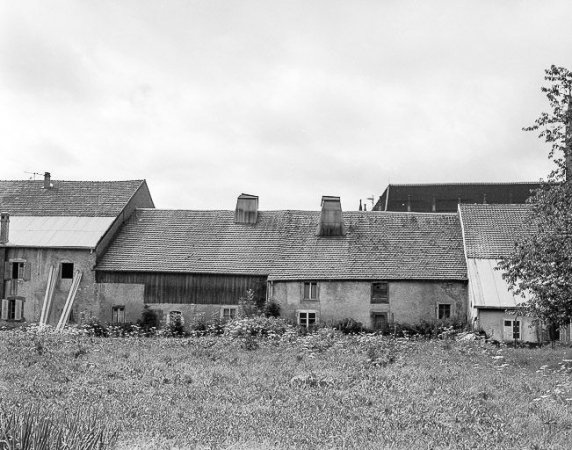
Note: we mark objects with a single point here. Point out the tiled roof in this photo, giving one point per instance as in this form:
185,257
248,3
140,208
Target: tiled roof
490,231
285,245
67,198
447,195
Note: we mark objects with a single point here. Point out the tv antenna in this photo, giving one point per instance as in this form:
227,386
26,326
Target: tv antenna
34,174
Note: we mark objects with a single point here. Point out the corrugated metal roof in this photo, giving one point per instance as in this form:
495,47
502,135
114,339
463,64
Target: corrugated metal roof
488,289
26,231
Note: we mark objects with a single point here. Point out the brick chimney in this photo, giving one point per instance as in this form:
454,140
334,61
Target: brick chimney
4,228
246,211
331,218
47,178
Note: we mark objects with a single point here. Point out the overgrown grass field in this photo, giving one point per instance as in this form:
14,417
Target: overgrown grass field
318,391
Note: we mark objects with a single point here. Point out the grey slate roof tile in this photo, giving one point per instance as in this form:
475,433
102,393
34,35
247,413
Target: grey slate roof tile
67,198
284,245
490,231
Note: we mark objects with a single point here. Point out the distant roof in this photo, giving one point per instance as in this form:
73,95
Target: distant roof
67,198
490,231
488,288
285,245
446,197
69,232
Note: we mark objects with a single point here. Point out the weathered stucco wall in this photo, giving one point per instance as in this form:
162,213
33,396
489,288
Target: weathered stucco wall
492,323
131,297
409,301
33,291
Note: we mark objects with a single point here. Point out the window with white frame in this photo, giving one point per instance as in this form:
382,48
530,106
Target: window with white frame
512,329
228,313
443,311
118,314
307,319
310,291
12,309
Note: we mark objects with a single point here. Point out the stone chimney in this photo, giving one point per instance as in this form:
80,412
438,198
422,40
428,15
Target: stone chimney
331,218
4,228
47,178
246,211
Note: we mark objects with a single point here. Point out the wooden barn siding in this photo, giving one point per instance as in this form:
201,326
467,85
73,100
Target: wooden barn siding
189,288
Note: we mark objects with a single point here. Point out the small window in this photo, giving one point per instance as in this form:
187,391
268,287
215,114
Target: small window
512,329
444,311
118,314
67,270
310,290
227,314
380,292
307,319
12,309
175,317
17,270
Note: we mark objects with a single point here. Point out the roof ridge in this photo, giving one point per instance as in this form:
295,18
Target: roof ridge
478,183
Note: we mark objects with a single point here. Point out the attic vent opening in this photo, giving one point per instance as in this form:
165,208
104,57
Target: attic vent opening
331,218
246,211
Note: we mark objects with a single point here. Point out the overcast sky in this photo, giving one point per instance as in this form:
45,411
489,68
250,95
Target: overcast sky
287,100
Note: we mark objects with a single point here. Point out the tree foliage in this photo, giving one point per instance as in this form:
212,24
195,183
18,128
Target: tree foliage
541,264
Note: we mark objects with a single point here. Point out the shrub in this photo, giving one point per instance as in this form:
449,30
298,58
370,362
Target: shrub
175,327
349,326
256,326
149,321
272,309
93,327
248,306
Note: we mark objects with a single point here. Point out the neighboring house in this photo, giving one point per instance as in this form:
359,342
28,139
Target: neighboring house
446,197
489,234
321,266
59,228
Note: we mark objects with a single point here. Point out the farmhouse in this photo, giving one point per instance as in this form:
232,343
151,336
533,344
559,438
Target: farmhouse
441,197
52,233
489,234
320,266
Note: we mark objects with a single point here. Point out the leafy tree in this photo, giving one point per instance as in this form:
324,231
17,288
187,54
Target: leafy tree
541,264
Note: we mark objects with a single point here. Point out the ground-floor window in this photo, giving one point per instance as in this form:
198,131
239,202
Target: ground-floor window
12,309
118,314
512,329
307,319
175,317
228,313
443,311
